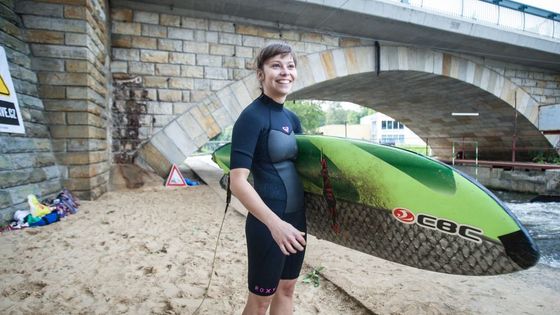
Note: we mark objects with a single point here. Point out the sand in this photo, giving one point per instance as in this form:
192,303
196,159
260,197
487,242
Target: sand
149,251
146,251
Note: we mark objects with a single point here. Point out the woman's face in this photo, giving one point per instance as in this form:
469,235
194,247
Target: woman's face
277,76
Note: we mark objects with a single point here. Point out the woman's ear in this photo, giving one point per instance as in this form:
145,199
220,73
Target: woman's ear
260,75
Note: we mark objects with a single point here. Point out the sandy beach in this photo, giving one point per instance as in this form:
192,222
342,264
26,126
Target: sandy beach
146,251
149,251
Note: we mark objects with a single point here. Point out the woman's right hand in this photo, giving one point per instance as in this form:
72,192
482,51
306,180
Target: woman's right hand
289,239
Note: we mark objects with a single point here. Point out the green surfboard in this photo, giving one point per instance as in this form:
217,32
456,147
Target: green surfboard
405,207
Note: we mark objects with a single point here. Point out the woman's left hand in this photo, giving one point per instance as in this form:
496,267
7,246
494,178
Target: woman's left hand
288,238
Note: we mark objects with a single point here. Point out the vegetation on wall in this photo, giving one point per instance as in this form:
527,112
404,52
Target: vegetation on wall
551,157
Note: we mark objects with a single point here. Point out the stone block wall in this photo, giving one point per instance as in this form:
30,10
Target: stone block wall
27,161
546,183
542,85
163,64
68,43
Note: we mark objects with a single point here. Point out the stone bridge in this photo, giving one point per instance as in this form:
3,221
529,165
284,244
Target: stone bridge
149,81
416,86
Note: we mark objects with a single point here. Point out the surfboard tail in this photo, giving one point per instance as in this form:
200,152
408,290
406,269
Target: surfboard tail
521,249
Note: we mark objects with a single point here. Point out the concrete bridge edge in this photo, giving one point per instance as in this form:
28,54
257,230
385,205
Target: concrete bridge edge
191,130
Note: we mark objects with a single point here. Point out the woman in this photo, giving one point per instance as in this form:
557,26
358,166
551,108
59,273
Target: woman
264,144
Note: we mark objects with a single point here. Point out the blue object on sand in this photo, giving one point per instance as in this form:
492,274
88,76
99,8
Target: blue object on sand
191,182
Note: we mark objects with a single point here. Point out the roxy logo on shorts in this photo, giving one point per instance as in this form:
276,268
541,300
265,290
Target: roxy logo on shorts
264,290
433,223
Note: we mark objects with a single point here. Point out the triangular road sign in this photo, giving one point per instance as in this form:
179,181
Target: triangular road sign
3,87
175,178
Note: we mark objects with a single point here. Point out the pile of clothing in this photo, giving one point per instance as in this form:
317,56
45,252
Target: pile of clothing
45,212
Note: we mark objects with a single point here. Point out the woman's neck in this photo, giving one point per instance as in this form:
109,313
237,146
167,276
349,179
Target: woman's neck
280,99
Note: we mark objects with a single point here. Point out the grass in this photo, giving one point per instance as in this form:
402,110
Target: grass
313,277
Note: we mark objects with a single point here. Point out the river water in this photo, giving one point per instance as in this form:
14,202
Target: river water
542,219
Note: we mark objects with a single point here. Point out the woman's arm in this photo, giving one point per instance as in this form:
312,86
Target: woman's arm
288,238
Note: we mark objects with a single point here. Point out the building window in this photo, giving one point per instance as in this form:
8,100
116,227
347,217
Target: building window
391,124
392,139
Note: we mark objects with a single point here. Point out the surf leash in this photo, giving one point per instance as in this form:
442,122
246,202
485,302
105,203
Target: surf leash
228,201
328,194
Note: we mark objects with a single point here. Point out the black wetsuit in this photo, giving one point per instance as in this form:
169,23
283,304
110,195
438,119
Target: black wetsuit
263,141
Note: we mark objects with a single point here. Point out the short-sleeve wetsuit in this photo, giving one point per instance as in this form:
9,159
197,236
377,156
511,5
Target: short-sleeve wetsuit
263,141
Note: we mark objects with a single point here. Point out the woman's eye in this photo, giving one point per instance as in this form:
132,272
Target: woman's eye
291,66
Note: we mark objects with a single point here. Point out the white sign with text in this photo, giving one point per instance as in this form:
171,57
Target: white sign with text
10,115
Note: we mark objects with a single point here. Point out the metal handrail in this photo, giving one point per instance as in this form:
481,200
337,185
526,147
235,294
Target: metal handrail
489,12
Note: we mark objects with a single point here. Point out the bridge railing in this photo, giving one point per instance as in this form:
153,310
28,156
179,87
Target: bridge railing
490,13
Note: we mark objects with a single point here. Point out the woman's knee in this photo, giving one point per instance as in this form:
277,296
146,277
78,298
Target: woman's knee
286,287
257,304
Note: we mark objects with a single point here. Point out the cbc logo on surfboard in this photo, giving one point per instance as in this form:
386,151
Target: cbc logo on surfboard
404,215
466,232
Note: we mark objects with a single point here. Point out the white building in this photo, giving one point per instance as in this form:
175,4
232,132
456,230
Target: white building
361,132
386,130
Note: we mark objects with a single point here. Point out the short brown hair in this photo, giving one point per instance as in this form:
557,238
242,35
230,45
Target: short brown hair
272,50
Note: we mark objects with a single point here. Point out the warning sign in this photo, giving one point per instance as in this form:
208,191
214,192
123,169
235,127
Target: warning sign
10,115
3,87
175,178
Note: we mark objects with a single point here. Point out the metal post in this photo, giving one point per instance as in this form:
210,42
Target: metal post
427,142
524,15
377,58
514,140
476,160
453,154
463,155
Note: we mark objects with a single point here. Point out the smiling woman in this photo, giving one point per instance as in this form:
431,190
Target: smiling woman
264,144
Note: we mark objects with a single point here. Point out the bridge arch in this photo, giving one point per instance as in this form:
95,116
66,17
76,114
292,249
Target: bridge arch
420,87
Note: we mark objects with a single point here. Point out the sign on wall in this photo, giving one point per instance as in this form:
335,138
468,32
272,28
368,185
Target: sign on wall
10,116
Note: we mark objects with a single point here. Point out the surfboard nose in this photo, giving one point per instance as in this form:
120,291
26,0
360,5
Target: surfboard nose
521,249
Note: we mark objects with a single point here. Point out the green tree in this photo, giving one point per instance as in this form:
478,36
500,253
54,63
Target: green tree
337,115
310,114
353,117
356,116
